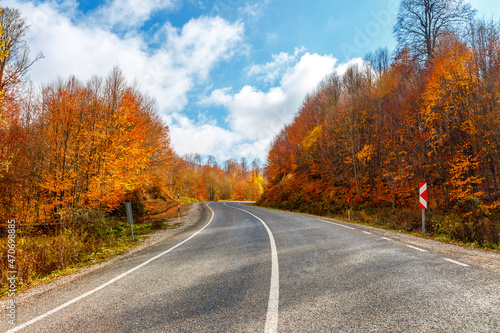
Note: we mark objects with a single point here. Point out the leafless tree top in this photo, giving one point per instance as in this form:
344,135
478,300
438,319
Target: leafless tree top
420,23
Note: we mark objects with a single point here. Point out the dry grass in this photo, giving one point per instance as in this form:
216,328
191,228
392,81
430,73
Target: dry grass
90,237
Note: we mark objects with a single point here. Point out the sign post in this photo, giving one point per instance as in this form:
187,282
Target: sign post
179,207
423,204
348,209
128,208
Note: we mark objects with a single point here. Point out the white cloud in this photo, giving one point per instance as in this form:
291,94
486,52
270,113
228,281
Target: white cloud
256,149
83,49
254,9
218,97
271,71
130,13
258,115
342,68
205,138
188,55
76,45
202,42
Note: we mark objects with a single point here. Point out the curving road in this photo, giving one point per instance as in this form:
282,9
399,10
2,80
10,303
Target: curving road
249,269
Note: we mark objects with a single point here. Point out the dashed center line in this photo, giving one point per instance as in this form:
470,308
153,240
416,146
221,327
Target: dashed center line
386,238
366,232
456,262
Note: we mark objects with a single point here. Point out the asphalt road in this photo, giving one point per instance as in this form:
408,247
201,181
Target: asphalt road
249,269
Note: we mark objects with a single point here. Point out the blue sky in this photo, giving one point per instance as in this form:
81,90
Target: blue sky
227,74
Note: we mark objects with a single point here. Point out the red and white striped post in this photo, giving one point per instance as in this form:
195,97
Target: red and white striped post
423,203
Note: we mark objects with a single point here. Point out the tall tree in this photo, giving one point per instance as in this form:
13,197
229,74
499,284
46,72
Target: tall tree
420,23
14,66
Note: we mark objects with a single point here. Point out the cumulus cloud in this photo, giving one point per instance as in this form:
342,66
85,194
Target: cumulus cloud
256,115
188,54
130,13
259,115
205,138
273,70
202,42
83,49
170,63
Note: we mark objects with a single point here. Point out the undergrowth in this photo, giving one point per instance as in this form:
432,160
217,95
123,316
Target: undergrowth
468,222
89,236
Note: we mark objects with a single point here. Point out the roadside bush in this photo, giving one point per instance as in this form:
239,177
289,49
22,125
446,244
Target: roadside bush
364,217
470,220
39,256
82,233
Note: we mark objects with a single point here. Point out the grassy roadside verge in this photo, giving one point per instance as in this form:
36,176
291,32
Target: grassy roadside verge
93,238
446,228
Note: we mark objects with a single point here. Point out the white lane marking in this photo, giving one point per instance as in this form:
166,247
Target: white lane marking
341,225
102,286
337,224
274,291
369,233
416,248
456,262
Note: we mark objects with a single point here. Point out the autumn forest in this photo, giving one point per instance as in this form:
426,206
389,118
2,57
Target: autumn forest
73,152
93,145
373,133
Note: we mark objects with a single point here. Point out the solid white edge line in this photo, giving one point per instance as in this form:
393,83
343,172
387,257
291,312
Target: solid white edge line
416,248
456,262
274,290
102,286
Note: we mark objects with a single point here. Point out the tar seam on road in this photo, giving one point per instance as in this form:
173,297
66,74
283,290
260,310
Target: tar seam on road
74,300
274,290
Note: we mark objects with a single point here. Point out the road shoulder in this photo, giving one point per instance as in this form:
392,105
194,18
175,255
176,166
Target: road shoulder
485,259
194,217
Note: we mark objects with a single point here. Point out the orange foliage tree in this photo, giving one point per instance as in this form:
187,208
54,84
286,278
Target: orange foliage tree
87,146
374,135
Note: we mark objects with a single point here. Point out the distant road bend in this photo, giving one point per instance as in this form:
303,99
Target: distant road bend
250,269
